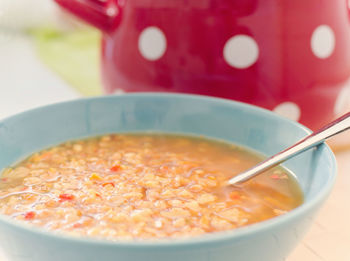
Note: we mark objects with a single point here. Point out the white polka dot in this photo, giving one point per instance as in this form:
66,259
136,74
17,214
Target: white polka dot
152,43
289,110
112,11
342,104
241,51
323,41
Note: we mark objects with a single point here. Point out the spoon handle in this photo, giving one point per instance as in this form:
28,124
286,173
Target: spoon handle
339,125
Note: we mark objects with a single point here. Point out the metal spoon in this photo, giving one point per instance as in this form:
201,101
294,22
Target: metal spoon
339,125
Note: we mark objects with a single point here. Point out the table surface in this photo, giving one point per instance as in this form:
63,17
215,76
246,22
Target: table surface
26,83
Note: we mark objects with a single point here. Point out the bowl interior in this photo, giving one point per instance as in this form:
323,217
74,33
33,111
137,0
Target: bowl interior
235,122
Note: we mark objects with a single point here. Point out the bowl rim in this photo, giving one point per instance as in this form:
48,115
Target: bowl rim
199,241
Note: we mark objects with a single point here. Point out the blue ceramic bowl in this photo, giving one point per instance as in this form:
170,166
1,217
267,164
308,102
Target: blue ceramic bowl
250,126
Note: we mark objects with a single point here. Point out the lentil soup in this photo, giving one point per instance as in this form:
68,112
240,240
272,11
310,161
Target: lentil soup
140,186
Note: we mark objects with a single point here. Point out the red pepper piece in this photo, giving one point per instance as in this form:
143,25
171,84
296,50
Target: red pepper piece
108,183
77,225
275,176
66,197
29,215
115,168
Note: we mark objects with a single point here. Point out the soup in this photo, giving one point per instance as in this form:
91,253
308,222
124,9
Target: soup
141,186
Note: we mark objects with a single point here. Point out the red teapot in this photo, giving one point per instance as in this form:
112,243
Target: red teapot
292,57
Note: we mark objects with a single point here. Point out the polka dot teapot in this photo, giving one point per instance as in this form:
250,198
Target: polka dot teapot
290,56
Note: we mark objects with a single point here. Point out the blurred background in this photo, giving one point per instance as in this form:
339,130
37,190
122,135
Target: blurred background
46,56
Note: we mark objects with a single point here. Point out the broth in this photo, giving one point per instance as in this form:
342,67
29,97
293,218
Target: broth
140,186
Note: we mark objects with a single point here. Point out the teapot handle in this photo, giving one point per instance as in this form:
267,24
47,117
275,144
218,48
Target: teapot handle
102,15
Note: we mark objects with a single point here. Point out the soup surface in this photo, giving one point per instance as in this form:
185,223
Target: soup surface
143,186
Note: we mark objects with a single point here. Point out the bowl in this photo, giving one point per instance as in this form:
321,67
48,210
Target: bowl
252,127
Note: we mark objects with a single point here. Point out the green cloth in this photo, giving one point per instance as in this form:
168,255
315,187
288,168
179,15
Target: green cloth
73,55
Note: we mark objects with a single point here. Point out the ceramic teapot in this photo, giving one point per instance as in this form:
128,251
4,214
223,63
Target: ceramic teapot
292,57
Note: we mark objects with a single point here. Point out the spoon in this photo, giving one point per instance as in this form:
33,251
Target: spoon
335,127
